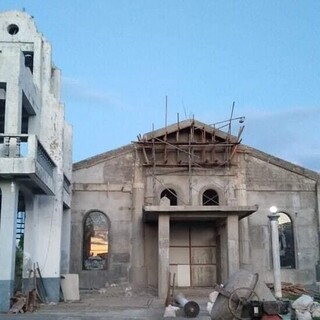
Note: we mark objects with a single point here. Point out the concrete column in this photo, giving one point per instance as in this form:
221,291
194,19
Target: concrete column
48,228
8,223
163,255
245,254
138,273
244,239
65,241
275,254
13,108
233,243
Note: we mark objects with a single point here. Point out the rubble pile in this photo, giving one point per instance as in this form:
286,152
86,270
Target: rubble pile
290,289
24,303
296,290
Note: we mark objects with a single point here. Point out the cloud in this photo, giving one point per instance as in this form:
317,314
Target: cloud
291,134
76,89
255,114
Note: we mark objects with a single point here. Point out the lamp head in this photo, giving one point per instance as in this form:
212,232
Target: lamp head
273,209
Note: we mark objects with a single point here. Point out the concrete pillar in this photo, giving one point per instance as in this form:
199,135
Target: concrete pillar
9,207
275,254
244,243
233,243
65,241
13,108
163,255
138,272
244,238
48,217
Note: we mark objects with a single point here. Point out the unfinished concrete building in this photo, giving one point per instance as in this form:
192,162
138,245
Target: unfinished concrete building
194,201
35,159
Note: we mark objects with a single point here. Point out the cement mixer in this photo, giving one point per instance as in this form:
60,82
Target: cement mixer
246,297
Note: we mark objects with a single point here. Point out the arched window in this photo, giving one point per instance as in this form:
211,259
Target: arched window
171,195
210,198
286,242
95,241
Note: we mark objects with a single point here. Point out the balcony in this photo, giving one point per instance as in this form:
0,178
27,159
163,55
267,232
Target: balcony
23,158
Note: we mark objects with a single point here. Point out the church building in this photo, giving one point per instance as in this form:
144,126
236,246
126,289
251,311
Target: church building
191,200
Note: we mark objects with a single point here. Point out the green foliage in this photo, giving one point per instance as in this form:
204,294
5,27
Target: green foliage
19,265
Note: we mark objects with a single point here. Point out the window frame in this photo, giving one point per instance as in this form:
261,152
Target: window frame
107,230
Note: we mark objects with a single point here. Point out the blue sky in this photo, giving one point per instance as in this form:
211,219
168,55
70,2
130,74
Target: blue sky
121,58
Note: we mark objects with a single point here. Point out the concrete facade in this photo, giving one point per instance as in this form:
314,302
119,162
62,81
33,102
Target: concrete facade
154,194
35,158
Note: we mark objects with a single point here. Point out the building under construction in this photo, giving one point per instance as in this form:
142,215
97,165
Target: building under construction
35,161
192,200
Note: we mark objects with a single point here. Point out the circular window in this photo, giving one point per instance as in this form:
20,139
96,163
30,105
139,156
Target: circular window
13,29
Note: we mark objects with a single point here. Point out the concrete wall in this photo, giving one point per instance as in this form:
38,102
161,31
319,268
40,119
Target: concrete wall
294,195
250,181
104,187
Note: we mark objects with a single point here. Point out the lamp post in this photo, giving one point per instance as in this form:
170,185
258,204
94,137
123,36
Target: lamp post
273,217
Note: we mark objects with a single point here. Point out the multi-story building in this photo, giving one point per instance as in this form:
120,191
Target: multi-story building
35,158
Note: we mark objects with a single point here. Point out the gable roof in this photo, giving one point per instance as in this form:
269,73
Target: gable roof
102,157
211,130
185,124
313,175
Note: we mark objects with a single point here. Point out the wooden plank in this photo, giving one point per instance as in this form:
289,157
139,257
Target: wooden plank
18,306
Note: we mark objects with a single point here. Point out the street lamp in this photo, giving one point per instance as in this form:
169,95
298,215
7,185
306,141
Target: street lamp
273,217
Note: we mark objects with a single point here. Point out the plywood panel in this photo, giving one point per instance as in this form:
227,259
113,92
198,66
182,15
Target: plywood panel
203,255
179,235
202,235
183,276
203,276
179,255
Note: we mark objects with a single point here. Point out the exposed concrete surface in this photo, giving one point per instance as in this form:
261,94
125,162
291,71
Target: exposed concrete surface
96,306
112,303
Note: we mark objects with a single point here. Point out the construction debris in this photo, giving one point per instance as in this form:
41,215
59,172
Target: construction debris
170,311
296,290
191,308
37,293
289,288
23,303
305,308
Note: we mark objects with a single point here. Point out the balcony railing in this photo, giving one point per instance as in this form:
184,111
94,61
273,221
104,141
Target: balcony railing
24,155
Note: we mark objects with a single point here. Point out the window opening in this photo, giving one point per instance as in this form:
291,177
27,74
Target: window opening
21,215
24,121
210,198
171,195
95,241
13,29
28,60
286,242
